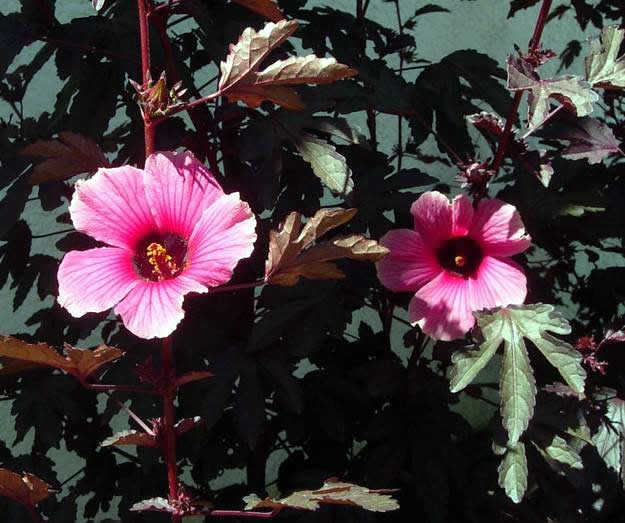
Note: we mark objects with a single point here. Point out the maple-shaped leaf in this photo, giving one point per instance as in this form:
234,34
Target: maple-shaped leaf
294,251
609,440
332,492
70,154
79,363
510,325
513,470
590,139
267,8
571,91
604,68
131,437
242,80
27,489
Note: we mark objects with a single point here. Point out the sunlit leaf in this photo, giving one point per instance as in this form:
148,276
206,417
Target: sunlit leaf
89,361
559,452
604,68
294,251
268,8
329,166
27,489
154,505
332,492
79,363
467,364
70,154
98,4
513,472
573,92
511,325
242,80
131,437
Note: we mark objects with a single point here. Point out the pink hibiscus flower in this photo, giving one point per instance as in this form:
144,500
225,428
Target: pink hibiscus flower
171,230
456,261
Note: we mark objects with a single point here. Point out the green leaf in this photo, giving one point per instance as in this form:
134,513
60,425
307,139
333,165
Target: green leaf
559,451
467,365
328,165
513,472
517,384
534,321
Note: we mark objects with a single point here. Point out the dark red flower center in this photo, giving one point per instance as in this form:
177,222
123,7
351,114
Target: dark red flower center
460,255
161,257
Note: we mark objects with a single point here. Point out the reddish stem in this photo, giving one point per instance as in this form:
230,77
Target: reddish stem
533,46
169,439
245,514
144,35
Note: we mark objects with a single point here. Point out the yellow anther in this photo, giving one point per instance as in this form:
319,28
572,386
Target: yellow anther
460,261
163,265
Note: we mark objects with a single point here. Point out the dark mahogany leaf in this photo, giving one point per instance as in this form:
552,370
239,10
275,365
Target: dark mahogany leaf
70,154
429,8
268,8
590,139
86,362
131,437
27,489
294,252
12,205
98,4
249,405
79,363
333,492
186,424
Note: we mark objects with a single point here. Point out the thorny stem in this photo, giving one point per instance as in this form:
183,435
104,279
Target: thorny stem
533,46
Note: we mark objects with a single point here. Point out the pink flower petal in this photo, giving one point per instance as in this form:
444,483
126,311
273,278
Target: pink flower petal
498,283
462,211
153,309
497,226
409,265
224,235
433,218
179,189
442,307
112,207
95,280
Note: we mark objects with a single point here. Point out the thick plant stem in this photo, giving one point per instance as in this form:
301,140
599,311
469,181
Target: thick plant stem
533,46
144,36
169,432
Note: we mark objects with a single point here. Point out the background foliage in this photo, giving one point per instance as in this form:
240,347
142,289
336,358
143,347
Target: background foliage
320,379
